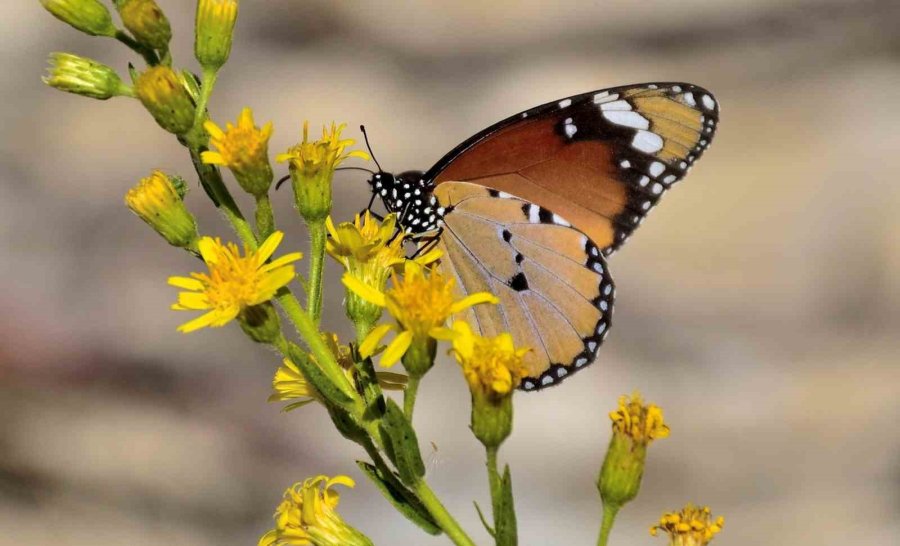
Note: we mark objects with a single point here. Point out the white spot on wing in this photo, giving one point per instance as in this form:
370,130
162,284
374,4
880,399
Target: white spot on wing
708,102
546,380
669,179
570,130
615,105
565,103
643,181
625,164
656,169
600,98
647,142
627,118
534,214
689,99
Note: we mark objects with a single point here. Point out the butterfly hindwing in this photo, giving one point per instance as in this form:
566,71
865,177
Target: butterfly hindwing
600,159
555,290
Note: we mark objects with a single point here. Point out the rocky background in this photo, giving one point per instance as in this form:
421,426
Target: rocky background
759,306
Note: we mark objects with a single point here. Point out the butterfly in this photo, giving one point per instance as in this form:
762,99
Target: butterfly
530,208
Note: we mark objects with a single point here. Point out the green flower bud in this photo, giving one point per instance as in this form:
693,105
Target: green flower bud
163,94
74,74
214,32
156,200
88,16
146,21
261,323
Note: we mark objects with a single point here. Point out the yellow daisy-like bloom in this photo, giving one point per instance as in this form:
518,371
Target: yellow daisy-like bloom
290,384
312,167
310,158
692,526
421,301
491,365
643,423
234,282
308,517
243,148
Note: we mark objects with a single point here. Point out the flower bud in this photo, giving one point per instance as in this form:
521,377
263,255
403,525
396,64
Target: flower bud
157,202
214,31
635,425
88,16
74,74
261,323
163,94
146,21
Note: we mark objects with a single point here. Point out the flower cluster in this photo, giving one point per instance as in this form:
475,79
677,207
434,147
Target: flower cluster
255,288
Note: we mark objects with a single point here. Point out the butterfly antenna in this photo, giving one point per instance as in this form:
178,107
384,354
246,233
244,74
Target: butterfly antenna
370,171
366,137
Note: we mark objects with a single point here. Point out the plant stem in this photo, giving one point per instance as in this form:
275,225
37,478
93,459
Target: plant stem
493,479
409,395
317,236
308,330
362,329
149,56
609,517
265,218
441,516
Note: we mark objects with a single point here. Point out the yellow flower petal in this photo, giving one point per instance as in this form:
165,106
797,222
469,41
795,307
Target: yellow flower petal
269,245
473,299
370,344
396,349
186,282
363,290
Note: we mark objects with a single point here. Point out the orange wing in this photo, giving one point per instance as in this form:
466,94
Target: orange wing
601,159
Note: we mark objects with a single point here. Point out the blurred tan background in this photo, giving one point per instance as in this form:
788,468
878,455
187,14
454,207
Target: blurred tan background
759,306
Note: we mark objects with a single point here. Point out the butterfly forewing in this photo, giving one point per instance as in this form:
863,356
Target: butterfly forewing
601,160
555,292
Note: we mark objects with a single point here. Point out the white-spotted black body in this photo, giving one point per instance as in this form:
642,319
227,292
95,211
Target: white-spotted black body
408,195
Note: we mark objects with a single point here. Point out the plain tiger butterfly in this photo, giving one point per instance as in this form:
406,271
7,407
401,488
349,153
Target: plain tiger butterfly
530,208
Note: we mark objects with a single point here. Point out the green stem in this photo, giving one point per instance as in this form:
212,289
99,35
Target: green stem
609,517
148,54
265,218
317,236
211,180
311,336
409,395
362,329
441,516
493,479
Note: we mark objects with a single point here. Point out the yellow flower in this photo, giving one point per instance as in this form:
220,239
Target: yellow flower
642,423
421,301
492,366
290,384
234,283
635,425
157,201
312,167
164,95
243,148
692,526
82,76
308,517
325,154
213,32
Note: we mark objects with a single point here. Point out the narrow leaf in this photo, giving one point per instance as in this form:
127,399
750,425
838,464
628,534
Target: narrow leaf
402,499
404,446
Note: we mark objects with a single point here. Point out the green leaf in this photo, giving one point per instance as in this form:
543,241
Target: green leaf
484,522
402,499
403,446
317,378
505,513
